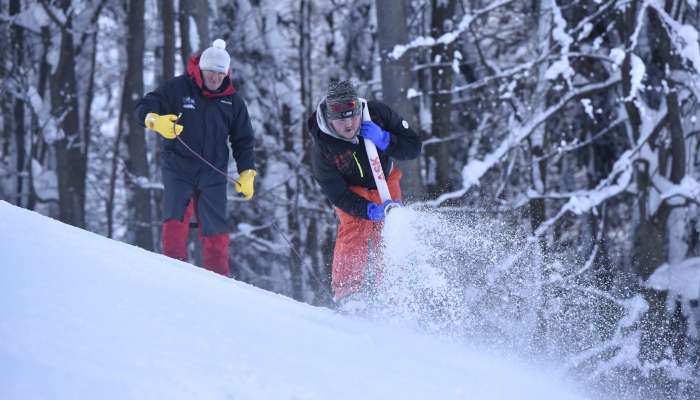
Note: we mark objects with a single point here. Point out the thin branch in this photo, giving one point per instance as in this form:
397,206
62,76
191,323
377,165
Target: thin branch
477,168
615,183
50,12
577,146
93,21
449,37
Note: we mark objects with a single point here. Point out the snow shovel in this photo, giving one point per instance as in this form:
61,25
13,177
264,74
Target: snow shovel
376,165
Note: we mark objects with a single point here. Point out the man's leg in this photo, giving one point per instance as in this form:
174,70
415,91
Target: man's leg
355,239
215,253
174,235
213,230
350,254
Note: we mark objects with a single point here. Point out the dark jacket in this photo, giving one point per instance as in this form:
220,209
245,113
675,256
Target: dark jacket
210,119
339,163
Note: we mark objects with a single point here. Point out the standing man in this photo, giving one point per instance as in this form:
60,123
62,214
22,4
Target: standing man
196,113
341,166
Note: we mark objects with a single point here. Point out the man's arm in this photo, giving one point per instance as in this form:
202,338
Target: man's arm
153,102
404,142
241,136
335,189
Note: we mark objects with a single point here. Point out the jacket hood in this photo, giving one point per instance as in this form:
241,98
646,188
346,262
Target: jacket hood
195,73
326,127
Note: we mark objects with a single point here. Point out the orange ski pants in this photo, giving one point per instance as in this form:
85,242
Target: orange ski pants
354,238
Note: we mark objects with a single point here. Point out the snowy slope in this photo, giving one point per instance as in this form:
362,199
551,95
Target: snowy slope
85,317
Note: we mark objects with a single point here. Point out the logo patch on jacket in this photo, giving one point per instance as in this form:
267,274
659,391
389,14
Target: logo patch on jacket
344,162
188,102
226,102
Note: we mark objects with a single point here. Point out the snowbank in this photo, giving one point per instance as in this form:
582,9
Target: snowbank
88,317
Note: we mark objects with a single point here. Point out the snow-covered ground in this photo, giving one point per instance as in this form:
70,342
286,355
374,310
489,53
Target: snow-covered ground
85,317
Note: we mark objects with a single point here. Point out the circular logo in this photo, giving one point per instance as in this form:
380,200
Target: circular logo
405,124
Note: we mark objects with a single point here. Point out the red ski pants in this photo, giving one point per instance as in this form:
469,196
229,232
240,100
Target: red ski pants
214,247
352,242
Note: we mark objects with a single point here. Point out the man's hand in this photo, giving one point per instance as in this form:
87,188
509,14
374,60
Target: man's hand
163,124
377,212
244,184
373,132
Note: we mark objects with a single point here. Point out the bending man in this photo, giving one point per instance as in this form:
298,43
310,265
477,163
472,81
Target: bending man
341,166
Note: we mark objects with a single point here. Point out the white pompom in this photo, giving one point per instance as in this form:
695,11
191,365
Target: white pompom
219,43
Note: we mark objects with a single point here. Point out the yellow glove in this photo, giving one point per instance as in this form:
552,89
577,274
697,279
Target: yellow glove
244,184
163,124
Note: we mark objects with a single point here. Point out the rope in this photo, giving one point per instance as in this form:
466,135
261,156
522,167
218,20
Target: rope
204,160
273,222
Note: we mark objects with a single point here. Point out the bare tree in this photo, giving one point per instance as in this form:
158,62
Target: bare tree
194,27
396,80
5,47
71,149
166,52
17,42
305,74
167,14
441,99
137,171
292,211
652,232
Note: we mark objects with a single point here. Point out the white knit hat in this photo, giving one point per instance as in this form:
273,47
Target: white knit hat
215,58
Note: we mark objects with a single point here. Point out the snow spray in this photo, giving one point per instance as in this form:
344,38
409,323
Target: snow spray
457,274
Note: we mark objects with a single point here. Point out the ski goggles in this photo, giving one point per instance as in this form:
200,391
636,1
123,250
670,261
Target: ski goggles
346,109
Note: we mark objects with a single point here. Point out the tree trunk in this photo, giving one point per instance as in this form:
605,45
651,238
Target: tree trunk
318,284
658,325
293,226
90,92
660,329
167,11
38,148
441,100
201,18
139,198
305,81
5,54
183,17
71,150
111,193
193,38
396,80
17,42
627,21
538,172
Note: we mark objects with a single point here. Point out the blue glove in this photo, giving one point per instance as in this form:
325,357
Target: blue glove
376,212
373,132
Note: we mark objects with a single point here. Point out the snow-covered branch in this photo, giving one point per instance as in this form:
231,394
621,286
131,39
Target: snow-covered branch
683,36
475,169
689,189
577,145
50,125
449,37
55,14
615,183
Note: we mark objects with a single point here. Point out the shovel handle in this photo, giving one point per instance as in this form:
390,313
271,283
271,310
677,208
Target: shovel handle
374,162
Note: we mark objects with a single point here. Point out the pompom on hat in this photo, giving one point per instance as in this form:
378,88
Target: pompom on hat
215,58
